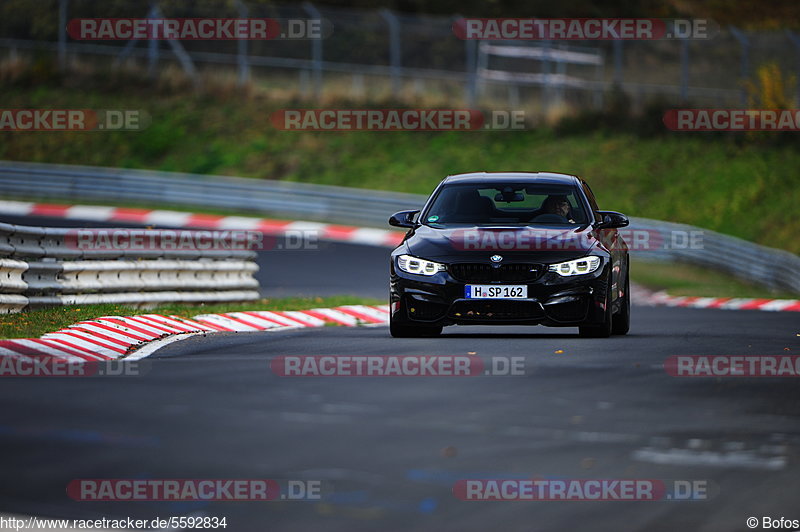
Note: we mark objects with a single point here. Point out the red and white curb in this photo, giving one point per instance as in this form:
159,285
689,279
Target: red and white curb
114,337
725,303
188,220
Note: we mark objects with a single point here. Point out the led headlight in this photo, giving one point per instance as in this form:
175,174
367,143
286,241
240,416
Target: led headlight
410,264
576,267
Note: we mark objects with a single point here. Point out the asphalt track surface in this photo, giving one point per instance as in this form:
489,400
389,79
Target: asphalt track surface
389,450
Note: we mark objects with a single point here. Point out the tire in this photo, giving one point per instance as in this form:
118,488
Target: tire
412,331
622,320
604,329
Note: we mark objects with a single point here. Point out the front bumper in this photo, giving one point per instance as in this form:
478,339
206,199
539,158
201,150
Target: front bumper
552,300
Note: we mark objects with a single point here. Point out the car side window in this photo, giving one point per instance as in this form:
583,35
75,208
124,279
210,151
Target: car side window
592,201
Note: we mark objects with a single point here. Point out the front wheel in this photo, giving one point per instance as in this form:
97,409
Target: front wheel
406,331
622,320
412,331
604,329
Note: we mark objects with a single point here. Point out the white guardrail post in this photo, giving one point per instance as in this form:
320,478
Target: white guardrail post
39,268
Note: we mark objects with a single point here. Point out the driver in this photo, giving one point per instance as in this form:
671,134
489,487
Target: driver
558,205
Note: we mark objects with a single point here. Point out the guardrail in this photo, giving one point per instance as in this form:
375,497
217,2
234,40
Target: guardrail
39,267
770,267
774,268
281,198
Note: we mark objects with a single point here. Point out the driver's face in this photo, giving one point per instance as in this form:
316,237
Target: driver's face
562,208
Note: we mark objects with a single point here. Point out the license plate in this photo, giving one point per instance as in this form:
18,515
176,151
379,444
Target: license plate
492,291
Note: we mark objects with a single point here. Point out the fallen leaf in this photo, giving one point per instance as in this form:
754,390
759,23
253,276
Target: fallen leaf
449,451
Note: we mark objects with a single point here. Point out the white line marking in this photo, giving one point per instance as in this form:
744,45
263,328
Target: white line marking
151,347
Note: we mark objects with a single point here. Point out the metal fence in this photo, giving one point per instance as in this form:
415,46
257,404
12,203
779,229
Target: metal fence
380,51
39,267
770,267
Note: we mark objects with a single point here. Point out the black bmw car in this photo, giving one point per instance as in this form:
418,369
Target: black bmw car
514,248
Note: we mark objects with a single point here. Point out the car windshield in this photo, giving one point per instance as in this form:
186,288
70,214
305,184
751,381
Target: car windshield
506,204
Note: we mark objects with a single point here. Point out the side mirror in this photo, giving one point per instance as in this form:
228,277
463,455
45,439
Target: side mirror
403,219
612,220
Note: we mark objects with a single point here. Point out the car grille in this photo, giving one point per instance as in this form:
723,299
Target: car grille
495,310
486,273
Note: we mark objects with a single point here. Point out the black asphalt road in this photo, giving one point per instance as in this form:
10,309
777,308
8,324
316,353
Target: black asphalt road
388,450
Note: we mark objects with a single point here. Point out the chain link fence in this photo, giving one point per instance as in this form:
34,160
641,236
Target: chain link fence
382,53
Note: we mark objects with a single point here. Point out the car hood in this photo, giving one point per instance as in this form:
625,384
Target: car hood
527,243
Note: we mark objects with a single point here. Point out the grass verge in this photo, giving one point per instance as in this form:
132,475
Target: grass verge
38,322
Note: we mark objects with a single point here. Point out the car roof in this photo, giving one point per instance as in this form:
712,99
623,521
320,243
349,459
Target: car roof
549,178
